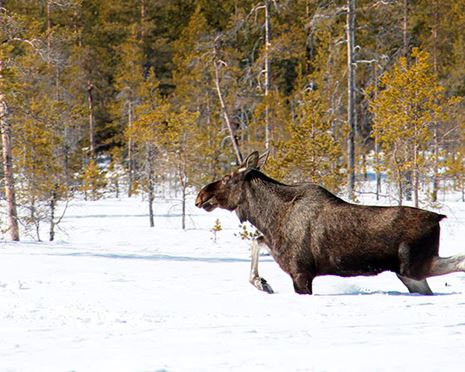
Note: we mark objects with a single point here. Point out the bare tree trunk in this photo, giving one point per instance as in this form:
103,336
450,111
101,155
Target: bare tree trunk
183,181
434,194
13,229
377,162
351,114
400,186
416,176
267,74
90,100
399,175
49,26
117,188
130,153
183,222
151,212
150,182
405,52
142,20
378,173
53,203
405,29
12,215
35,219
232,133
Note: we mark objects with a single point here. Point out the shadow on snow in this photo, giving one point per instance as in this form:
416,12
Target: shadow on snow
153,257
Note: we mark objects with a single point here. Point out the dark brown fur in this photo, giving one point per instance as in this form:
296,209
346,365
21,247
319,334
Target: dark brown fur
311,232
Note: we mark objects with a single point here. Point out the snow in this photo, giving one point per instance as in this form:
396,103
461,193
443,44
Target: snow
112,294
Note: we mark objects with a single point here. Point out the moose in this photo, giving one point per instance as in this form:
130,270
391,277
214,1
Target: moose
311,232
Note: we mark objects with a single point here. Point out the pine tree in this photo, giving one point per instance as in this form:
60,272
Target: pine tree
39,169
311,152
128,81
116,171
147,132
42,110
195,89
93,181
182,149
411,99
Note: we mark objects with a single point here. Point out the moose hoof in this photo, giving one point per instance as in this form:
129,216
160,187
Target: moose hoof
262,285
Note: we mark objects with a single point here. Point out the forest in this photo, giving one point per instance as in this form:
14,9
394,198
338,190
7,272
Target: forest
104,97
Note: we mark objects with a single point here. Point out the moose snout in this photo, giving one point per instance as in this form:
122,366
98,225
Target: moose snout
199,201
201,198
205,200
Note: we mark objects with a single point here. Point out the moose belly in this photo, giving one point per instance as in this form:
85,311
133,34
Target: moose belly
357,265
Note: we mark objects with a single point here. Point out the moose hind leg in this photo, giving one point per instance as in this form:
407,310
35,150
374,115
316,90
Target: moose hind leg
254,278
416,286
447,265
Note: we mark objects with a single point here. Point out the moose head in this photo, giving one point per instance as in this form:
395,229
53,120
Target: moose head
227,192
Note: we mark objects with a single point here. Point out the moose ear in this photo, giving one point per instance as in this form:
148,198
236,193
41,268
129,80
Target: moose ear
251,161
262,159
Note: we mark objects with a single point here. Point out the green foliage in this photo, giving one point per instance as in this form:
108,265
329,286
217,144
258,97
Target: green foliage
216,229
246,234
154,91
93,181
116,171
311,151
454,163
455,170
410,101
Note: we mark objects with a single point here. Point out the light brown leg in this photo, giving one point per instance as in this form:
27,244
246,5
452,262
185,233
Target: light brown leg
447,265
254,278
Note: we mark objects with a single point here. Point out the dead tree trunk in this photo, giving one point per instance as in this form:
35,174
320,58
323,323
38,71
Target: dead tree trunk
351,114
405,52
49,31
405,29
267,74
150,182
12,215
142,20
377,147
130,153
184,194
90,101
232,134
5,128
416,175
434,194
53,204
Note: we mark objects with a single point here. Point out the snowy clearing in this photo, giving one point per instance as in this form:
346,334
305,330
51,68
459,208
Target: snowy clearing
112,294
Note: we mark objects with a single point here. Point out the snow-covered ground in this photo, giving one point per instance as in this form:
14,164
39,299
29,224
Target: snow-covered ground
112,294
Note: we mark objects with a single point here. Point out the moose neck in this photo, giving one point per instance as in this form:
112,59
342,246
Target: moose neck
263,203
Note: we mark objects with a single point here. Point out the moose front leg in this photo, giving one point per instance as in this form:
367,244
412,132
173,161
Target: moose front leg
255,279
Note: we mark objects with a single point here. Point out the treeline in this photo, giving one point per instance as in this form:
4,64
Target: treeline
125,95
